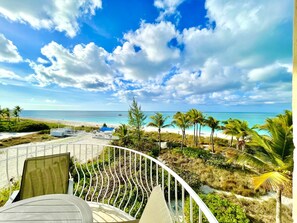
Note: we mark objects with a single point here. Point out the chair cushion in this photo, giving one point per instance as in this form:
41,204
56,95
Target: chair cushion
156,209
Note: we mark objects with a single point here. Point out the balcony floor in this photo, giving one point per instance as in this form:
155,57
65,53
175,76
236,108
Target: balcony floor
107,213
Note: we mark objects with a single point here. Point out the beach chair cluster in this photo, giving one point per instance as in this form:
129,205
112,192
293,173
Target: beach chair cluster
103,133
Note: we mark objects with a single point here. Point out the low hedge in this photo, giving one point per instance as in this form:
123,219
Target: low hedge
223,210
31,127
23,126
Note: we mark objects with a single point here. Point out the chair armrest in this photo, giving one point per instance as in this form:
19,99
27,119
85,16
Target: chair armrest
12,197
70,186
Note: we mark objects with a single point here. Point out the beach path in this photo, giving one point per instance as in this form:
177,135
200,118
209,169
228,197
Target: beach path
15,156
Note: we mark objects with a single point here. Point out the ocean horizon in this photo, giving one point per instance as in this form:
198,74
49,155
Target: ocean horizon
121,117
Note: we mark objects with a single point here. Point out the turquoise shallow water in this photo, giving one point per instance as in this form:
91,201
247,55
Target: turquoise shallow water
121,117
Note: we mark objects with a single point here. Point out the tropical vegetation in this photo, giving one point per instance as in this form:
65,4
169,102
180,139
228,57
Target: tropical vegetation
264,150
182,121
224,210
159,121
267,158
196,119
136,119
274,156
213,124
123,133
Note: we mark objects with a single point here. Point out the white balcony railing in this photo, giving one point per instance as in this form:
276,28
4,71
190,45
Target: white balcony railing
112,176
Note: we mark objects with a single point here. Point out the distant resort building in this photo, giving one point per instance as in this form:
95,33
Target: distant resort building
62,132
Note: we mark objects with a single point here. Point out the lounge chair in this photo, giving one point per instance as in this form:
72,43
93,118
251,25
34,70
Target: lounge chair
44,175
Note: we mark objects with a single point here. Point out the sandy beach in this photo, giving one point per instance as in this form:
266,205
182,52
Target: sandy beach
70,123
6,135
146,128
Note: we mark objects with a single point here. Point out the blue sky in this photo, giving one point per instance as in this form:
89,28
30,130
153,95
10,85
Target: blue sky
231,55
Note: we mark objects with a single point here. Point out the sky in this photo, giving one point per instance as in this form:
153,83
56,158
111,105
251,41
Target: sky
229,55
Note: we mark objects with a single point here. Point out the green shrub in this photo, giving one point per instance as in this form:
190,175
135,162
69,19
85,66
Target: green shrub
5,192
197,153
177,151
31,127
171,145
45,137
221,142
155,151
218,160
223,210
45,131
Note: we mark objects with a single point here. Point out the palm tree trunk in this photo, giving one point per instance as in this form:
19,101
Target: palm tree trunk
194,138
243,146
211,139
231,141
159,130
138,137
278,215
183,138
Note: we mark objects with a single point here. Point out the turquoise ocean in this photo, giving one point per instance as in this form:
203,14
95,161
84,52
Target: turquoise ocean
121,117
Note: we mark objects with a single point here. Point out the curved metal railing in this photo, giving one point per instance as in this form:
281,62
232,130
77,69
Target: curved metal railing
116,176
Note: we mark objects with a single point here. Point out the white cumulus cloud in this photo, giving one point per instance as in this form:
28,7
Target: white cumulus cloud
246,34
85,67
147,53
167,7
272,73
56,14
8,51
242,56
7,74
212,77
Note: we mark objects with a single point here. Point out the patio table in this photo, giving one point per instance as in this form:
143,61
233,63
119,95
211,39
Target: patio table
48,208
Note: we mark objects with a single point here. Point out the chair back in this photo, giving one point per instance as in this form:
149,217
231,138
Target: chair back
156,209
45,175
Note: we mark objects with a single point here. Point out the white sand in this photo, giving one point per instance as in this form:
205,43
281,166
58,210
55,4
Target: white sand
71,123
6,135
188,132
146,128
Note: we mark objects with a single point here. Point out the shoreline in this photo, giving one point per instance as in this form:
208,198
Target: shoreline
71,123
146,128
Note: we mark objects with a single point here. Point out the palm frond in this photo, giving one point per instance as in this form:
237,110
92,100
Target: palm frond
272,180
253,160
265,143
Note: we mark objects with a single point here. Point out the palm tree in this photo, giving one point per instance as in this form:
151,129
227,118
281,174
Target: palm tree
136,119
276,156
243,133
159,121
16,112
182,121
196,118
230,128
213,124
6,113
239,129
1,113
123,133
202,122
